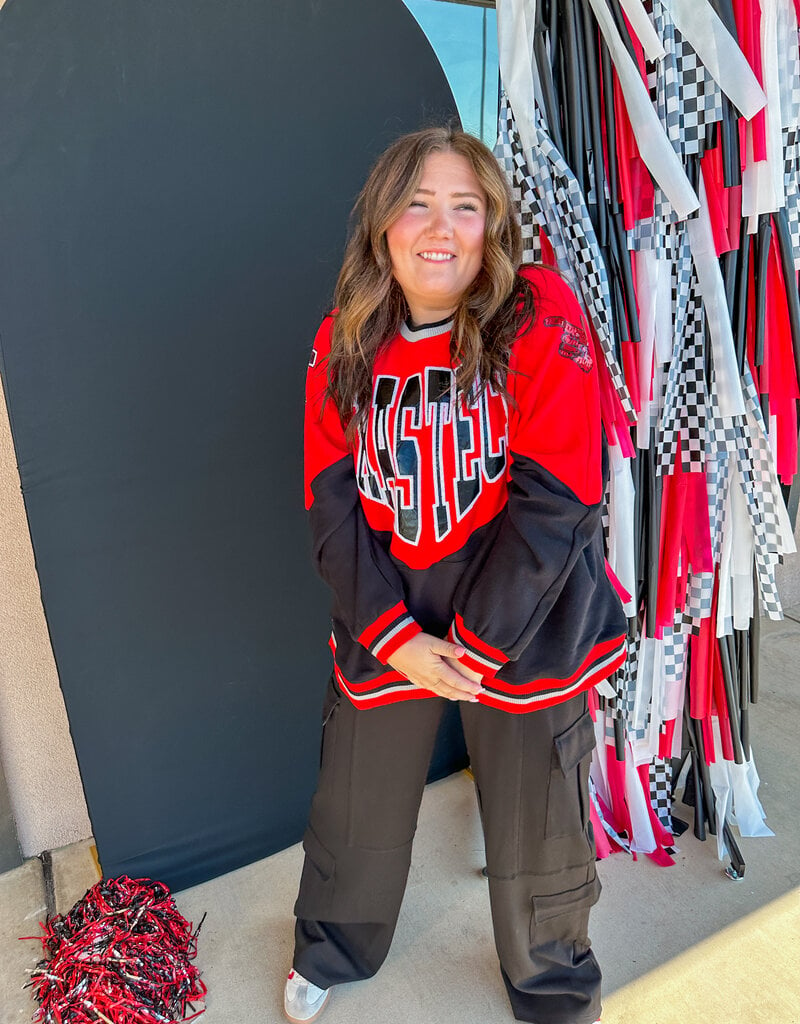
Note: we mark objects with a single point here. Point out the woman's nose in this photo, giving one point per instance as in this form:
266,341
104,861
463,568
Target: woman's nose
440,224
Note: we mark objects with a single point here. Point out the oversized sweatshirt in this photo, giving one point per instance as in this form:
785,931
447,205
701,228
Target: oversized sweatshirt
479,521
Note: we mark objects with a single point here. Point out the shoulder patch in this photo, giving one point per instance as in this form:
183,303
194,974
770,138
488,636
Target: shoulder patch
573,344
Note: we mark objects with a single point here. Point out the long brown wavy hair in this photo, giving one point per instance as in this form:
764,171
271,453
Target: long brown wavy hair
371,304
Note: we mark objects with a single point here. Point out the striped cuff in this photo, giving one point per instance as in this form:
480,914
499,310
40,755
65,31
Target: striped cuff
388,632
479,656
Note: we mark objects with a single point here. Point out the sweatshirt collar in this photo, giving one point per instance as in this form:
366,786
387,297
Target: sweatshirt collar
422,331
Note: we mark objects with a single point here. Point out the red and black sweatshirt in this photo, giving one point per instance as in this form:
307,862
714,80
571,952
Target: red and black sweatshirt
476,521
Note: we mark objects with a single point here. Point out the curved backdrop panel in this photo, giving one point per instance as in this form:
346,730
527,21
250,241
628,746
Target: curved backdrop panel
175,181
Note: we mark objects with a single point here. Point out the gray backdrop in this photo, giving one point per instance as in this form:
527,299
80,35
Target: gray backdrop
176,179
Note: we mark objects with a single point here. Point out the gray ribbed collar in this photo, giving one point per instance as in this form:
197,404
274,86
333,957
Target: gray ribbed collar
426,330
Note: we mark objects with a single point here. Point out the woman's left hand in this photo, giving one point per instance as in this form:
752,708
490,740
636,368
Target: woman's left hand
459,666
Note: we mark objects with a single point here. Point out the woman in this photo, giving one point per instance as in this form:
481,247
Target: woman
454,484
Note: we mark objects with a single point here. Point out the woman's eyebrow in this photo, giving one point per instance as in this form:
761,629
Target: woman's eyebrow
453,195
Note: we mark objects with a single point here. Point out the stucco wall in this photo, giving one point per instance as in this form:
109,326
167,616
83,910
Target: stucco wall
35,745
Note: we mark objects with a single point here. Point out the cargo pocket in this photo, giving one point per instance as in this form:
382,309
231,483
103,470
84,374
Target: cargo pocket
564,916
568,784
351,885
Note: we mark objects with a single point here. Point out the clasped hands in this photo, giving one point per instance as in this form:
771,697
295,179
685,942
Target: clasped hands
433,664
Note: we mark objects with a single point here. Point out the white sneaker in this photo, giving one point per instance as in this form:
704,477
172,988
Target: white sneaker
303,1001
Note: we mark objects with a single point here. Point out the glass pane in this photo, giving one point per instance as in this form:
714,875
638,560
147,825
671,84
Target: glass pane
464,39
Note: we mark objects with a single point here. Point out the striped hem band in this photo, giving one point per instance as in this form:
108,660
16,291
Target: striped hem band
391,688
388,632
480,657
599,669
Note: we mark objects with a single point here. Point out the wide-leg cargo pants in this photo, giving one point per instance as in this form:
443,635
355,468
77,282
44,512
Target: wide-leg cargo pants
531,773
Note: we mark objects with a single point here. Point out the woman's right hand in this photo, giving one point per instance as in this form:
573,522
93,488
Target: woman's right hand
422,660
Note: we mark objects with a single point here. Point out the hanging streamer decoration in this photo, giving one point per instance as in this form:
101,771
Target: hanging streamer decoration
122,955
653,150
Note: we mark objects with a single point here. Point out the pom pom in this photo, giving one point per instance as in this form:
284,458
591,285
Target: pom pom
122,955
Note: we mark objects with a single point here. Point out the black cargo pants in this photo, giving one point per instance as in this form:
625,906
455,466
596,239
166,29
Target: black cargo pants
531,773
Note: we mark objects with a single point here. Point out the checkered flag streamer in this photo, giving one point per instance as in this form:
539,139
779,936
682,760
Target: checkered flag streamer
526,204
683,424
791,183
673,653
673,297
763,497
699,599
624,683
718,482
655,232
687,99
661,790
605,514
554,198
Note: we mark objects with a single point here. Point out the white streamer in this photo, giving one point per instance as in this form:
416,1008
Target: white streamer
735,793
703,29
712,287
762,180
643,840
620,525
654,147
787,70
644,29
515,24
600,760
735,602
645,264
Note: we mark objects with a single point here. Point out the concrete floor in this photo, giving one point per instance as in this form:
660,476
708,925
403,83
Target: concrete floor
678,945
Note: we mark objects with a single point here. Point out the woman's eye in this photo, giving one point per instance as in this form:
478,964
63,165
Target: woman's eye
468,206
417,202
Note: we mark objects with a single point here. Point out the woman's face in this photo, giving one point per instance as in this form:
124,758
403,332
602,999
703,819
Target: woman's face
436,245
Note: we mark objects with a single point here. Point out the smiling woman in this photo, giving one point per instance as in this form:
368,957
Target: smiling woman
457,522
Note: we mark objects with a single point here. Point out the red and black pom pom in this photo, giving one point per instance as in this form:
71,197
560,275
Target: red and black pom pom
122,955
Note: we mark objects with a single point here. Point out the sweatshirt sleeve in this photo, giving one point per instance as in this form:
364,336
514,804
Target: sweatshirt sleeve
368,591
555,488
